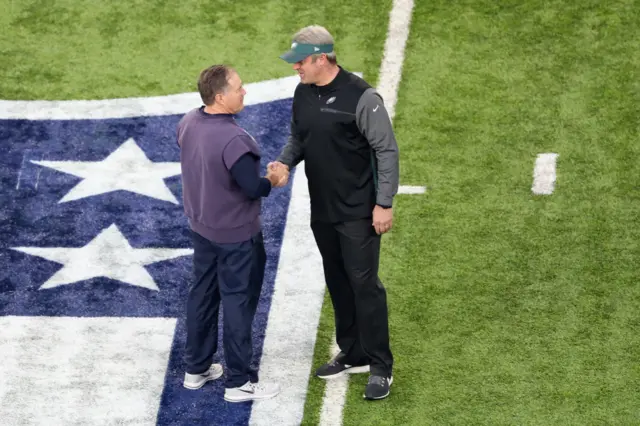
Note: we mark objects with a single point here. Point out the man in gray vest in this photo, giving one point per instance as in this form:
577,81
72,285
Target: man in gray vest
222,191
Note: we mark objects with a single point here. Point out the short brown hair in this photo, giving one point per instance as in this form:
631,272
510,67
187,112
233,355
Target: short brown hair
212,81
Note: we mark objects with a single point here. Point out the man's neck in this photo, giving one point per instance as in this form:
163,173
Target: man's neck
330,75
215,109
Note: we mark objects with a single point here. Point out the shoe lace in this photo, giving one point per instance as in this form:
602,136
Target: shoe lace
334,362
377,380
258,387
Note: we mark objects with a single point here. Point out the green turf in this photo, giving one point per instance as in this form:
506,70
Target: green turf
509,308
84,49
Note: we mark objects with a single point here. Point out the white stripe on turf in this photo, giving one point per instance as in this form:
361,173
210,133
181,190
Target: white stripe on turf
391,68
334,395
263,91
544,174
293,317
406,189
390,75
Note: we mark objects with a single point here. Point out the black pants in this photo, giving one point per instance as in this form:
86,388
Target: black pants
350,254
233,274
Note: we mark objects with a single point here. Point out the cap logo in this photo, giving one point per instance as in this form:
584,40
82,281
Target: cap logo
293,45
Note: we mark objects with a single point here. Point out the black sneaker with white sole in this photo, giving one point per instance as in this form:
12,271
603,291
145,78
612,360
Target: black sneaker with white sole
336,368
378,387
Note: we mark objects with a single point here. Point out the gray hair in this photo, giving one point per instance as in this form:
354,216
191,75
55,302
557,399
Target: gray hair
316,34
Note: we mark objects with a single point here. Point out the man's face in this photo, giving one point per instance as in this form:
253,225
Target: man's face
233,97
308,70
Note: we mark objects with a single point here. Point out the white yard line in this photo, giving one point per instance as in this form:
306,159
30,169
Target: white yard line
391,68
294,315
335,394
390,75
544,174
263,91
406,189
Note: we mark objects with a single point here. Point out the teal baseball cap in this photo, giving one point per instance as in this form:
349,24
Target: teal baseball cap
299,51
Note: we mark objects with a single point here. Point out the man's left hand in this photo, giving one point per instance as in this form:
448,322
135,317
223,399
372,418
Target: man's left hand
382,219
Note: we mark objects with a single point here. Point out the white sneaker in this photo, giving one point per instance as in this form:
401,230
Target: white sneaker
251,391
196,381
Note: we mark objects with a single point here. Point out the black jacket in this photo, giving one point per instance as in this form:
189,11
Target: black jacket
343,134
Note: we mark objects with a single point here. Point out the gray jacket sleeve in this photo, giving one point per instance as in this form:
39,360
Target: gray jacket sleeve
374,123
293,151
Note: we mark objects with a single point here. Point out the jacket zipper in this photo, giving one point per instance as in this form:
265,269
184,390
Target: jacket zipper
335,111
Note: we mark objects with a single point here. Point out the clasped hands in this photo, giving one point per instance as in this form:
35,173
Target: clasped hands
277,173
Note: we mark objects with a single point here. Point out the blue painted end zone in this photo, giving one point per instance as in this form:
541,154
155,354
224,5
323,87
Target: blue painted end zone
31,216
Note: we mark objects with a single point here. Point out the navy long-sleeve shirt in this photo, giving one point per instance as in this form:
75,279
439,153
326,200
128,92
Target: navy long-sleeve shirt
244,173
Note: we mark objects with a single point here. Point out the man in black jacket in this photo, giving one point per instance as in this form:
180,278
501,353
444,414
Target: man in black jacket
342,131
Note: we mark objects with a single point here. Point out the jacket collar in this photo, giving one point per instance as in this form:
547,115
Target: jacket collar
340,79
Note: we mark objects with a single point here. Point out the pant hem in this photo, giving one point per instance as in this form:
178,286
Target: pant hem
199,370
380,372
235,384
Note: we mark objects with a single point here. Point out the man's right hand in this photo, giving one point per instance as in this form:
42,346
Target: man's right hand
280,170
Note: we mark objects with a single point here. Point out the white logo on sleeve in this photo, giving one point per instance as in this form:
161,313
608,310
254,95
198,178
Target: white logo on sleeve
376,108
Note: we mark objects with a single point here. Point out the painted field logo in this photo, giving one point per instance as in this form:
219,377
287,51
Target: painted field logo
96,264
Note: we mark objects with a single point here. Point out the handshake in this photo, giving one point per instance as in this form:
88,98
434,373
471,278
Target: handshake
278,174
